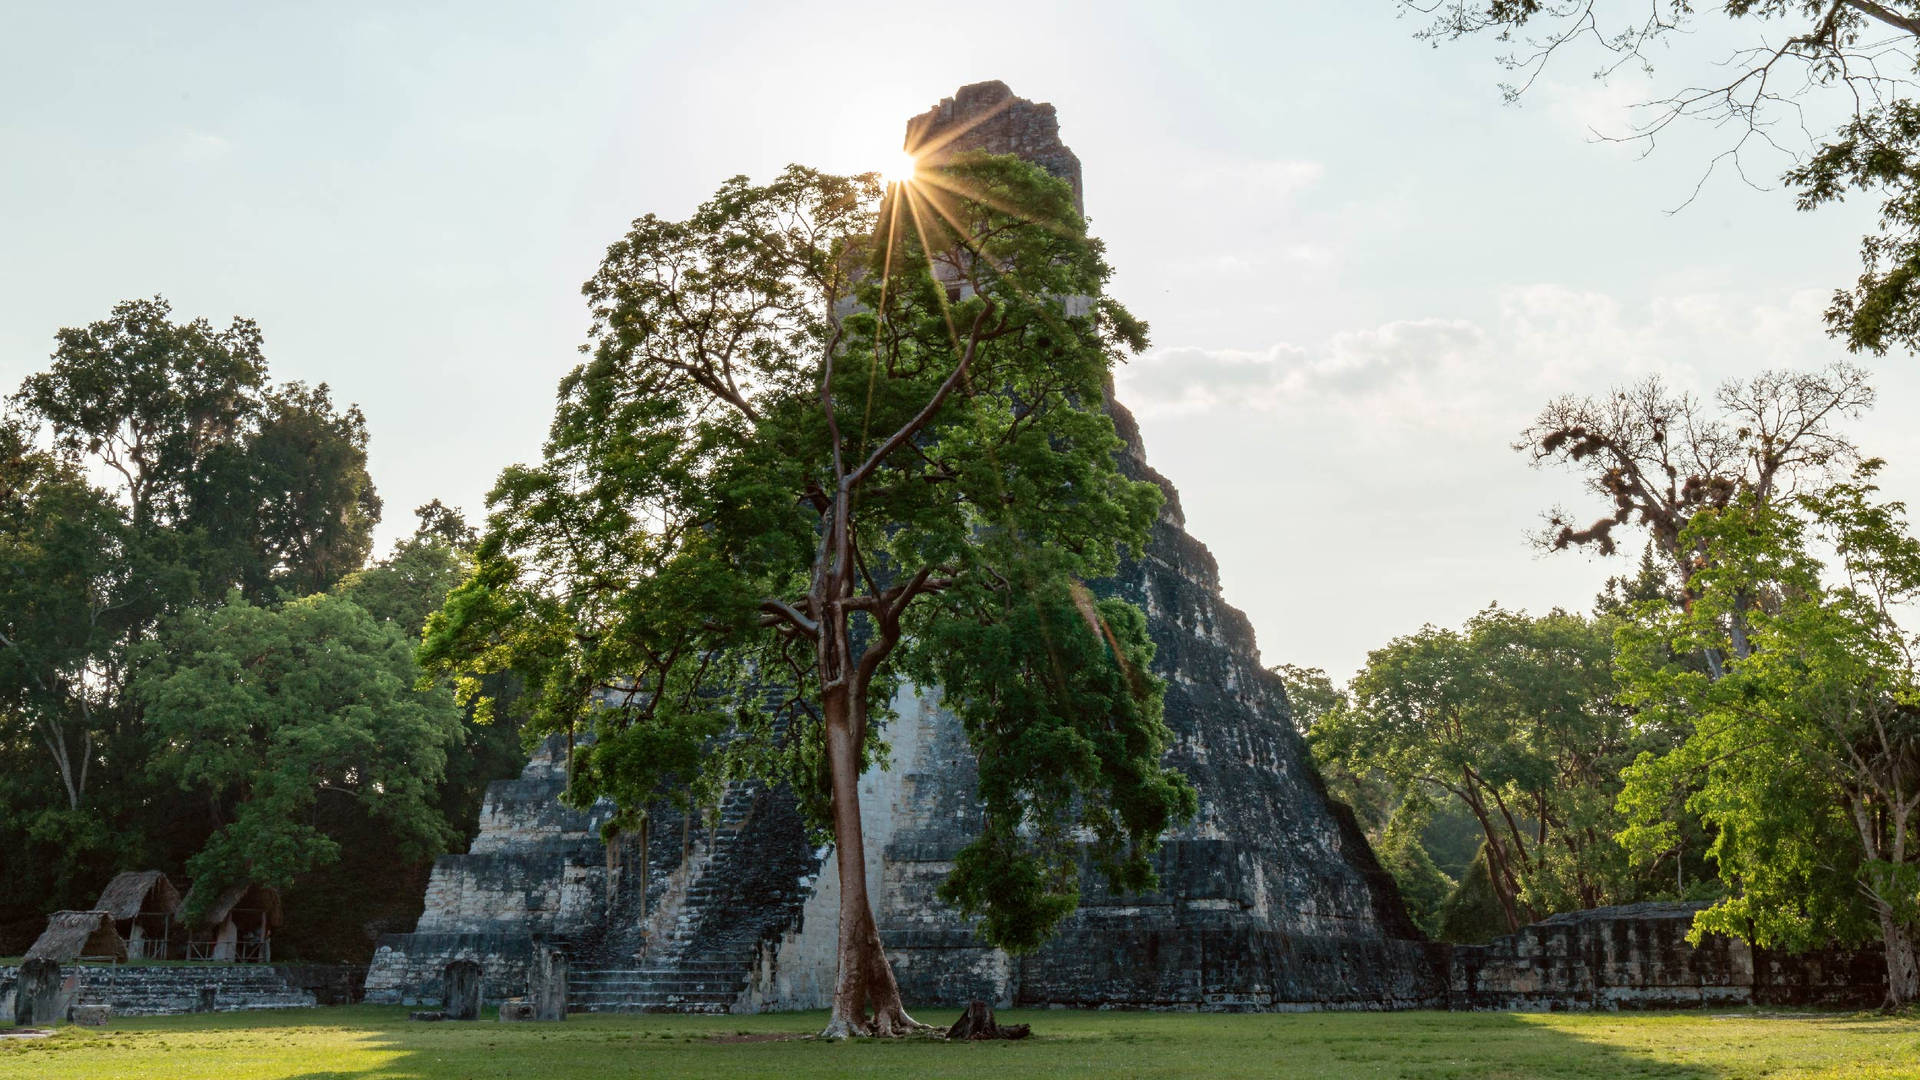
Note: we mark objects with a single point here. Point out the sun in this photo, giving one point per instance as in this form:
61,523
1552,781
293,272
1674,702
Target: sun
901,170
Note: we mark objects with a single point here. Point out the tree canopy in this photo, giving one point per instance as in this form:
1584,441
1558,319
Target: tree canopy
1514,718
275,709
1804,753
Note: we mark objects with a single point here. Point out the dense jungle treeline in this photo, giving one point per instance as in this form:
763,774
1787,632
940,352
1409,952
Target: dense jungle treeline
1737,721
201,669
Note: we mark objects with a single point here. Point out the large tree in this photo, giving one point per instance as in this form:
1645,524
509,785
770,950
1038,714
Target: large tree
1850,60
1804,755
827,446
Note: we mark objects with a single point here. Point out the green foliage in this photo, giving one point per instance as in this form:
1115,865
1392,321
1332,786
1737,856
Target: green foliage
1052,713
215,479
313,503
1472,914
1317,707
797,469
1514,718
273,710
1422,884
1800,754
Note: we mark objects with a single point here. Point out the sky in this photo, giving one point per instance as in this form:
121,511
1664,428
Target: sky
1364,272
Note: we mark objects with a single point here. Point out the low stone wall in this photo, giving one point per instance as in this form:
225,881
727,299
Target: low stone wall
1637,957
161,990
408,969
330,984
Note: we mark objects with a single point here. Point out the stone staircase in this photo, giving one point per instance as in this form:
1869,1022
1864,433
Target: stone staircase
698,949
143,990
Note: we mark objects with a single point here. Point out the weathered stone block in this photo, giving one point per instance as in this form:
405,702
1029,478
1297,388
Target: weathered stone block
462,981
38,993
547,983
92,1015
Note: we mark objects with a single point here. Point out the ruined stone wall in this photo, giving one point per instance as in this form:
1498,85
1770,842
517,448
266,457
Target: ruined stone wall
1637,957
536,868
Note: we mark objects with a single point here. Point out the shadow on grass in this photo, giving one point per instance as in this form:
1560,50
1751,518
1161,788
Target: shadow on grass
363,1043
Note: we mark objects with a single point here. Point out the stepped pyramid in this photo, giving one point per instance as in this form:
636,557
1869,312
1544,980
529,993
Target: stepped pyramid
1269,899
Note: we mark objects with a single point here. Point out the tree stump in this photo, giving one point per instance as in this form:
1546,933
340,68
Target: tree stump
37,996
978,1023
461,982
547,983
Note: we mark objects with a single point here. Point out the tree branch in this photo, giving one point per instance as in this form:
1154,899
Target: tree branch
1885,15
920,419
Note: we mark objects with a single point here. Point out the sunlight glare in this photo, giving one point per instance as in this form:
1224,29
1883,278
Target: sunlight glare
901,170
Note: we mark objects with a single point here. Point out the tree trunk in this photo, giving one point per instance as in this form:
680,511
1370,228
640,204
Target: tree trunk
864,978
1903,966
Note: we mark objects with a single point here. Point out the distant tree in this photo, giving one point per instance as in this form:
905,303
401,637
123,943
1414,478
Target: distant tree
1473,912
313,503
63,590
152,400
1316,705
226,480
1652,579
824,447
150,468
1658,457
438,521
1514,718
1850,59
403,590
412,582
1423,885
1804,755
272,710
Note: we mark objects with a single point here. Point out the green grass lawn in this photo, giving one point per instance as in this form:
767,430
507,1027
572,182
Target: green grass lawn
374,1042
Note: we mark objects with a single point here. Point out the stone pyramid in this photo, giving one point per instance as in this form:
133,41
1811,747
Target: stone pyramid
1269,899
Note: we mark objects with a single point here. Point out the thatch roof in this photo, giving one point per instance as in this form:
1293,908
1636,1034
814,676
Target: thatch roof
134,891
72,934
242,897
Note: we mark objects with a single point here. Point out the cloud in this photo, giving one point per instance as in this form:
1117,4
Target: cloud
1545,340
1252,180
201,148
1357,369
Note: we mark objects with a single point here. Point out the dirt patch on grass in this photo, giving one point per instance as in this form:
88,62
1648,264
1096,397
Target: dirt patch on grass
758,1037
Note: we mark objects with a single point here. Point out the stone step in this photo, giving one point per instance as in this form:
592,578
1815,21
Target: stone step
705,1007
691,964
727,987
652,995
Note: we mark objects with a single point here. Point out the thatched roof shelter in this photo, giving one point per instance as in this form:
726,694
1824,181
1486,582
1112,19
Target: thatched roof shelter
243,897
73,934
136,892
